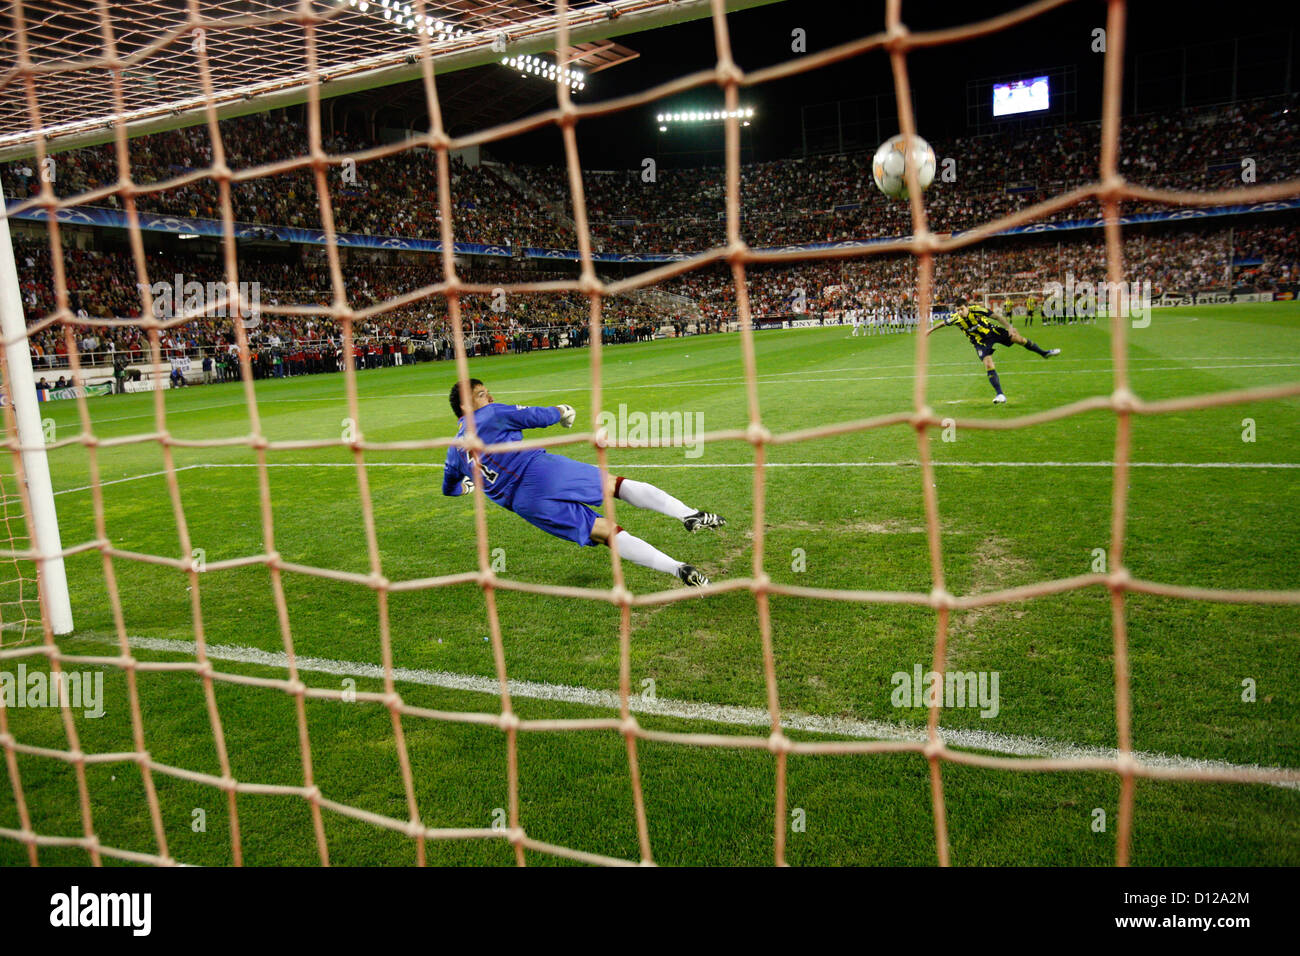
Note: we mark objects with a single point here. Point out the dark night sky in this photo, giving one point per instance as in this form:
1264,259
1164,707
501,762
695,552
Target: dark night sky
762,37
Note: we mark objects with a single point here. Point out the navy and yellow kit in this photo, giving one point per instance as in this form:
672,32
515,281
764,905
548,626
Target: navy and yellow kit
985,332
982,329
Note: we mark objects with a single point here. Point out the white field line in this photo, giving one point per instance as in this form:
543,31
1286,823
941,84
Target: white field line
118,481
1058,360
739,464
1011,744
763,378
971,464
176,411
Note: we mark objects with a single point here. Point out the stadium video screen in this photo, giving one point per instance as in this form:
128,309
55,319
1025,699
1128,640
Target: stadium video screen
1021,96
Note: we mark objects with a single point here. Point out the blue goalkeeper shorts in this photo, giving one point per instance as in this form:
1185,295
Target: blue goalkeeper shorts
556,494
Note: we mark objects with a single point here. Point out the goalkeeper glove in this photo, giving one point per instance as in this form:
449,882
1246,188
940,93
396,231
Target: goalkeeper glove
466,486
567,415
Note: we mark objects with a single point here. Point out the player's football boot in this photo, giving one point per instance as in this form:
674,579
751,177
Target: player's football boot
999,399
692,576
1051,352
703,519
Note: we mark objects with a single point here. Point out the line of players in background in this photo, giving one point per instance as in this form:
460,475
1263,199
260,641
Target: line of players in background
883,319
880,319
1030,309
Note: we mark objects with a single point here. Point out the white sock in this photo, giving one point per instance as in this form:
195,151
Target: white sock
648,496
633,549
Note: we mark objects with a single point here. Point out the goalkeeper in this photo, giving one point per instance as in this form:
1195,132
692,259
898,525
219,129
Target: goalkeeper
555,493
985,330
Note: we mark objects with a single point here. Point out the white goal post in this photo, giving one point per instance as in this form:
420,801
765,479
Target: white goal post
20,390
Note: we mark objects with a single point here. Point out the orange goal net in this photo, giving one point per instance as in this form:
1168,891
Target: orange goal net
72,75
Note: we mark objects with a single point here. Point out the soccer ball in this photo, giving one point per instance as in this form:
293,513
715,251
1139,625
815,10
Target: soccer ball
889,163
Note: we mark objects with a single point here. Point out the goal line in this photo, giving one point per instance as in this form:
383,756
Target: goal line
1016,745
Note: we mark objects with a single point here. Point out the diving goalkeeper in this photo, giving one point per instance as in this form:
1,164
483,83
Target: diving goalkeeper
555,493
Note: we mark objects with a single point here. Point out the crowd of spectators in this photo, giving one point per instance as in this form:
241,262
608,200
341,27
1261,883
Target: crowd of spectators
102,285
833,198
1195,256
826,198
1173,259
392,196
788,201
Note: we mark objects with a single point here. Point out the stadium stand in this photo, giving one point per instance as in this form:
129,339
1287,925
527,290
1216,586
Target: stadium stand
791,201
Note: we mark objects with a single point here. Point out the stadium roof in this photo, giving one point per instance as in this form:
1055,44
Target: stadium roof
257,57
474,99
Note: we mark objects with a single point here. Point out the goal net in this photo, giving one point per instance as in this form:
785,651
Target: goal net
80,74
20,612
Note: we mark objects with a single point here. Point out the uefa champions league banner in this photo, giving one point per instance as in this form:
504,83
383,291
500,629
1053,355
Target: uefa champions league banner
532,252
116,219
1176,216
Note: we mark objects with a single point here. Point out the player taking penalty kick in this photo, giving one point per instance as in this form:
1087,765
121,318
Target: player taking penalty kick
555,493
986,330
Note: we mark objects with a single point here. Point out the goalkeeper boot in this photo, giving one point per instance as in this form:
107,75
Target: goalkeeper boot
703,519
692,577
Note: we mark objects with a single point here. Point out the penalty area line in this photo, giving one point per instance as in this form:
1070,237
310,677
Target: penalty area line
729,714
970,464
731,464
118,481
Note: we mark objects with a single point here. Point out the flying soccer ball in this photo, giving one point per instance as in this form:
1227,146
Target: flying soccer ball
889,165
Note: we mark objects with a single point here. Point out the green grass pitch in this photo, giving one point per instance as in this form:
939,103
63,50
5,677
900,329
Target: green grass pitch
859,524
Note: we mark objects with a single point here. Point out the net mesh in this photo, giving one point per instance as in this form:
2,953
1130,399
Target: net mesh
896,41
20,611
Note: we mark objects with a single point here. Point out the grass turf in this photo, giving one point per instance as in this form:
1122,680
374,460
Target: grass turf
855,520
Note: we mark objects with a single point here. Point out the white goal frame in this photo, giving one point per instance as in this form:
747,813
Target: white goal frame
20,385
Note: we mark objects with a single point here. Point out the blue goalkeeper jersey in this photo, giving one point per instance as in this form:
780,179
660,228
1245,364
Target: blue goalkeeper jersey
498,424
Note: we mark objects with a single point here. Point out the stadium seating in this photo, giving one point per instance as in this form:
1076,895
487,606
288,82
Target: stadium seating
818,199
